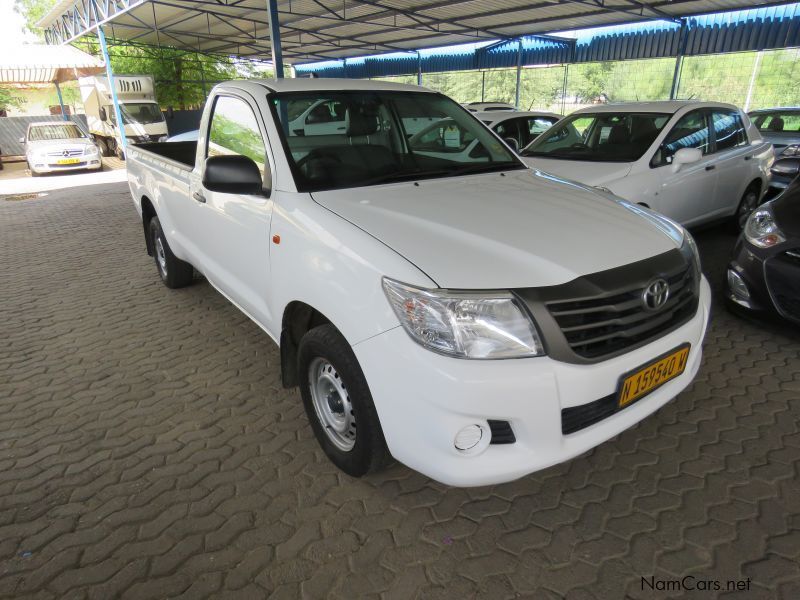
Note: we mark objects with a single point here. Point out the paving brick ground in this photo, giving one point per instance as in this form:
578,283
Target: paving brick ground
147,450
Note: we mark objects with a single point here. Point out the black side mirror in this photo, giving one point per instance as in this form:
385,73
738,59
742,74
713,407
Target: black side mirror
232,174
103,115
787,167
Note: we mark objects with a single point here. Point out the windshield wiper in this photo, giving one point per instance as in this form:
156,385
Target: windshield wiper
485,167
397,177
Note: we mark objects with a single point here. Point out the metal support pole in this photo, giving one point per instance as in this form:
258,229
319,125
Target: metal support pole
753,75
275,38
419,68
676,74
519,72
564,90
61,102
483,85
113,86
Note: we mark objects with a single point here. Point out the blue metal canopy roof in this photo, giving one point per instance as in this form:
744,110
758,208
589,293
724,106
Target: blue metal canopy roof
736,31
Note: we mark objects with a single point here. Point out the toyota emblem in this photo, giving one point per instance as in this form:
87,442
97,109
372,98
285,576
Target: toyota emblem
655,295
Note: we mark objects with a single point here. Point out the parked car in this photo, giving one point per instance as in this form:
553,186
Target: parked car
518,129
187,136
780,127
476,320
694,162
55,146
764,276
447,138
488,106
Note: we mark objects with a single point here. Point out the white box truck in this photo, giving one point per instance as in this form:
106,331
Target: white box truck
141,114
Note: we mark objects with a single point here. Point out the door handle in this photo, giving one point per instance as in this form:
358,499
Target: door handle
199,197
748,157
710,167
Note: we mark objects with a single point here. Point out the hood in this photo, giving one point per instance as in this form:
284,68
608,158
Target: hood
586,171
786,209
493,231
56,145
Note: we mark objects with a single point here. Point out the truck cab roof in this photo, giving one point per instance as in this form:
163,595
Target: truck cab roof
324,84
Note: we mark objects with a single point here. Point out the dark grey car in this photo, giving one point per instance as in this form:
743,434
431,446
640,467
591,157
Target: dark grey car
781,127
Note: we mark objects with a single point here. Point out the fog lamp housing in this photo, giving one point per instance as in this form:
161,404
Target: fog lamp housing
469,437
738,289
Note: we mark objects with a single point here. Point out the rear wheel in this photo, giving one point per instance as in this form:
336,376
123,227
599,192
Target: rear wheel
103,145
174,272
747,205
338,402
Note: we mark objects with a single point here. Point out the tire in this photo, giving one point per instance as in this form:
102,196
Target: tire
174,272
748,203
103,145
327,365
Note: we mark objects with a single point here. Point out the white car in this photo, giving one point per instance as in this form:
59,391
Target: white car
474,319
449,140
488,106
56,146
694,162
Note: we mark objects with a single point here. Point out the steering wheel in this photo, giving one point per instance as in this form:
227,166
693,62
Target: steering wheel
317,154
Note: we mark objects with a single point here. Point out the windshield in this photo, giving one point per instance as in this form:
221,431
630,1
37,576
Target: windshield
138,112
603,137
777,122
341,139
56,131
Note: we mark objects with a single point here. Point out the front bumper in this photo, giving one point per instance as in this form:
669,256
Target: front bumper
87,163
769,280
424,399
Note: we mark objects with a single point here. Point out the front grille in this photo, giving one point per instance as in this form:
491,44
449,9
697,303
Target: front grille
603,325
783,280
68,154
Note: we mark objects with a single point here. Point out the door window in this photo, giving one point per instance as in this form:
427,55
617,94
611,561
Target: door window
234,130
509,129
691,131
728,129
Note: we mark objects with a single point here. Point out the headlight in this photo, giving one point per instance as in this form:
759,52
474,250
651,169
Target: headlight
761,229
163,138
793,150
90,150
464,324
689,247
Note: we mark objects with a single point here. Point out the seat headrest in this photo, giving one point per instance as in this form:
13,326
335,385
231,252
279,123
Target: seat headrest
618,135
359,120
776,124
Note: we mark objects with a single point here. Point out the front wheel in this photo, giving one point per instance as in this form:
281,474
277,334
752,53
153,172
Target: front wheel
338,402
747,205
174,272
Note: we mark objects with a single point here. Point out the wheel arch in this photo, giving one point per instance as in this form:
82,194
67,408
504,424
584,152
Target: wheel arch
298,318
148,212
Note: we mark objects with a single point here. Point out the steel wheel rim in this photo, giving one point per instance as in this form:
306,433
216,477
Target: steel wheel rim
161,256
332,404
749,204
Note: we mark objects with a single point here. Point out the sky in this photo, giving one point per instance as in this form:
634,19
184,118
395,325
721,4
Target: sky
11,26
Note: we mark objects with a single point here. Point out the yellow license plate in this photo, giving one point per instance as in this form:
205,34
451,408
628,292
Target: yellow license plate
653,375
68,161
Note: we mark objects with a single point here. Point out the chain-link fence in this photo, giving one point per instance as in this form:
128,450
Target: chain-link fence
747,79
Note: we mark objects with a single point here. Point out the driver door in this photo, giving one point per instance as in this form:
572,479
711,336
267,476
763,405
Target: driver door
233,229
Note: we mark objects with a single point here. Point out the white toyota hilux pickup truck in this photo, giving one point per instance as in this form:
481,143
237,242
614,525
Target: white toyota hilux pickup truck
475,319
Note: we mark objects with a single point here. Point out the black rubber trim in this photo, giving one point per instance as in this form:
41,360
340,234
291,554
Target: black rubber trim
501,432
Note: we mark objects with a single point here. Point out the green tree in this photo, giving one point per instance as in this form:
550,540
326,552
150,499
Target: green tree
33,11
9,98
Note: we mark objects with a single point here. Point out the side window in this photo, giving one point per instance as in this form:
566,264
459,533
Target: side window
537,125
234,130
691,131
728,129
